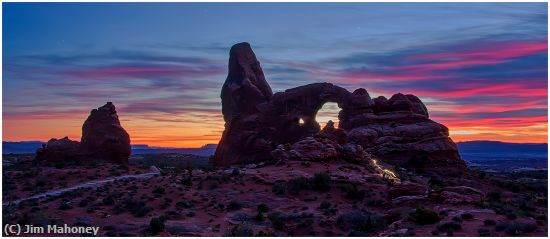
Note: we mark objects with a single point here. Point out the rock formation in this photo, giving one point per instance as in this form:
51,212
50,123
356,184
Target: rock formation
103,138
261,126
59,150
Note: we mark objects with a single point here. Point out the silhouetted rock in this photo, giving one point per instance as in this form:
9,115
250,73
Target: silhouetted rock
262,127
335,134
245,86
57,150
103,137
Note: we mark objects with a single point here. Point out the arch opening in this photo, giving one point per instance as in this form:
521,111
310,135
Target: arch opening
329,111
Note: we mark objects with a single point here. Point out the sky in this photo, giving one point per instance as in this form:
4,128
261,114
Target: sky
480,68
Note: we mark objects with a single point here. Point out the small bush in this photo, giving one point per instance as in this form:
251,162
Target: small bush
84,202
484,232
156,225
424,216
513,229
435,183
108,201
241,230
136,208
234,205
263,208
279,189
449,227
235,172
185,204
493,196
489,222
352,192
277,220
511,216
295,185
457,219
158,190
187,181
321,182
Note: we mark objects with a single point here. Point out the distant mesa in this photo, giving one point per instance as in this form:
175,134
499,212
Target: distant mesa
261,126
103,138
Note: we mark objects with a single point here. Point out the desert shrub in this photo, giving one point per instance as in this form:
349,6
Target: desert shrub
136,208
158,190
435,183
457,219
241,230
277,220
262,208
361,221
424,216
493,196
295,185
234,205
353,192
513,229
235,172
484,232
84,202
187,181
108,201
279,189
185,204
466,216
156,225
40,182
321,182
489,222
449,227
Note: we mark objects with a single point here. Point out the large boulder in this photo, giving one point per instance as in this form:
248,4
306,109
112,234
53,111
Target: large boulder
58,150
103,137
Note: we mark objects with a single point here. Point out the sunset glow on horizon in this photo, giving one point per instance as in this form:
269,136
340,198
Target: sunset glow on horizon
480,68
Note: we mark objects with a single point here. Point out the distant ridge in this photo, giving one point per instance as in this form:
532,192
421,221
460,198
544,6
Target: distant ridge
208,149
501,147
29,147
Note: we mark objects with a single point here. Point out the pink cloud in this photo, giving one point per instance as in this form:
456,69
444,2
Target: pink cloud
143,71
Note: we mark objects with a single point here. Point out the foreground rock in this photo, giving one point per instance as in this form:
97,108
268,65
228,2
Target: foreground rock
59,150
103,138
261,126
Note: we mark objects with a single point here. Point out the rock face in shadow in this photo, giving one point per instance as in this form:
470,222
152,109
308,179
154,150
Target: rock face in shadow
56,150
261,126
245,86
103,138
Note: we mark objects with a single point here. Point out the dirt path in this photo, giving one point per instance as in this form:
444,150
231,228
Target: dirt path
91,184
